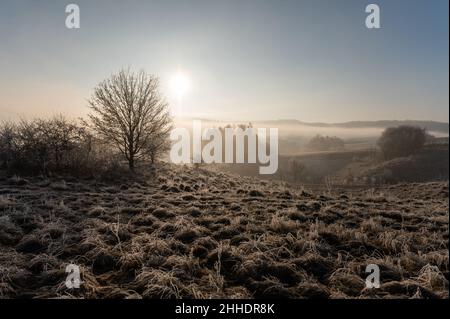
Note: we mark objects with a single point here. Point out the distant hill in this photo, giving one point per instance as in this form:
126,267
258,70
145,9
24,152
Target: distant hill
429,125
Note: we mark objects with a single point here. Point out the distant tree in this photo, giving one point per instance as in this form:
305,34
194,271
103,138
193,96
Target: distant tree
401,141
129,111
297,170
325,143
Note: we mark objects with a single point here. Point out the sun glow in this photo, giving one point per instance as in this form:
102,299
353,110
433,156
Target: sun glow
179,84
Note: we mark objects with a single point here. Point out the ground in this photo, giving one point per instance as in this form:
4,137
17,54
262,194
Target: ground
191,233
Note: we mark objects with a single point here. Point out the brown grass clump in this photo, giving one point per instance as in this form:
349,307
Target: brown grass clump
10,233
347,282
158,284
192,233
31,244
6,203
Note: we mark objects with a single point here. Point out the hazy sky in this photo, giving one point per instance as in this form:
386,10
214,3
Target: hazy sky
245,59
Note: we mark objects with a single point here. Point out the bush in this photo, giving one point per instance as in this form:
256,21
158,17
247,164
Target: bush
325,143
43,146
401,141
7,143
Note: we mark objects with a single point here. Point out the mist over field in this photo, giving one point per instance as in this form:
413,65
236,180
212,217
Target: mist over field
344,129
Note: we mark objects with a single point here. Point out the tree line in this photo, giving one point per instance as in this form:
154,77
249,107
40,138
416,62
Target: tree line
129,121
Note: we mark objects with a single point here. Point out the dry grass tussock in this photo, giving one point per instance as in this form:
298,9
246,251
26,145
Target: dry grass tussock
192,233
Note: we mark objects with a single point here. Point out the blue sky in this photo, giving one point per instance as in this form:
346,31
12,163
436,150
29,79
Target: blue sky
245,59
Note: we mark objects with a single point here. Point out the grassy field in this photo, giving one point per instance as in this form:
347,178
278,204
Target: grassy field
355,167
192,233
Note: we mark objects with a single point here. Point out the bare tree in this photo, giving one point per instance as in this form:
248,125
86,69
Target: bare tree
129,111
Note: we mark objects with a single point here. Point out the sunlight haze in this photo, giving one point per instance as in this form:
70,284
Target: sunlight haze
240,60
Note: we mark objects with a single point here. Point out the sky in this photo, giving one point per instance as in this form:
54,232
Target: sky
245,60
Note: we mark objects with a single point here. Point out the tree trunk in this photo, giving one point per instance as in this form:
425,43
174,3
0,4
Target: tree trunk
131,163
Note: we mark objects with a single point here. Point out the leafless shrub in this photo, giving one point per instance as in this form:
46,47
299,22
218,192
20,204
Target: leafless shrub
56,145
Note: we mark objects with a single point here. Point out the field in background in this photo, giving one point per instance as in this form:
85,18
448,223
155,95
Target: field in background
349,167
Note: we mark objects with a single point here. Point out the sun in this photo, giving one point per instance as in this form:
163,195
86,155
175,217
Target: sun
179,84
